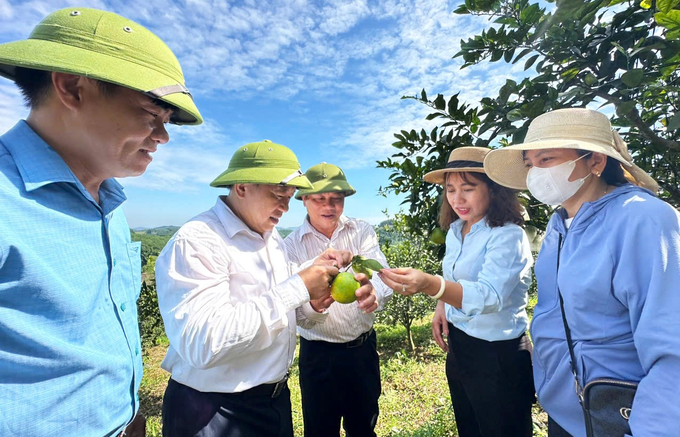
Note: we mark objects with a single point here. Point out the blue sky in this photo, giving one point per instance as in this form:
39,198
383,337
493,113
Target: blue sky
321,77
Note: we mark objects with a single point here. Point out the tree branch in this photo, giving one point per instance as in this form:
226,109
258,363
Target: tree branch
634,117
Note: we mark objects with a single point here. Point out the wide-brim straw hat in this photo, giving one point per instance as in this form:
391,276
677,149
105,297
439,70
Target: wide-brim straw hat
104,46
263,163
572,128
462,159
326,178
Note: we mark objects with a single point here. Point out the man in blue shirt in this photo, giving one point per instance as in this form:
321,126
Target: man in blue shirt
99,88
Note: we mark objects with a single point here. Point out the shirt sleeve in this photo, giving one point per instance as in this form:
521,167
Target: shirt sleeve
204,323
370,248
507,260
649,280
306,317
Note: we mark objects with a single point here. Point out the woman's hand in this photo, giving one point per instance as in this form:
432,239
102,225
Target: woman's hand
440,327
405,280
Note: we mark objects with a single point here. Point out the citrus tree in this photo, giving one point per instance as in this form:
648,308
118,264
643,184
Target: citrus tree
620,56
402,248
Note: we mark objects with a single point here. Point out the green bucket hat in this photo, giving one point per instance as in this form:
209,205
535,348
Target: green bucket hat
326,178
263,163
104,46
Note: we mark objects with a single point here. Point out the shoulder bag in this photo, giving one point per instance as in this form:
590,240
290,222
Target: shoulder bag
606,403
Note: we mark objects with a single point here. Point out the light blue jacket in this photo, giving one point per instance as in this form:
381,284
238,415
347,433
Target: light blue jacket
493,265
619,275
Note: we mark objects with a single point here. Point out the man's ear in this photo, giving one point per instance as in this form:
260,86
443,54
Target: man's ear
68,88
239,190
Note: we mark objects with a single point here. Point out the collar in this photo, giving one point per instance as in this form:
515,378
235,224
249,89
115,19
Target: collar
40,165
307,228
231,223
458,225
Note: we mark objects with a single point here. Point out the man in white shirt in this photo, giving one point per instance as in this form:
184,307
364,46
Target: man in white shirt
228,297
339,367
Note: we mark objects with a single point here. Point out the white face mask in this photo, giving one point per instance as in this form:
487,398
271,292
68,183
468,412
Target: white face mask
551,185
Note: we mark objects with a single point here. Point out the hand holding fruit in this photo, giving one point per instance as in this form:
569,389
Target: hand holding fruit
317,279
347,288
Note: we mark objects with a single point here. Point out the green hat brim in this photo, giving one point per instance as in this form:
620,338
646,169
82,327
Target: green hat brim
45,55
327,186
263,175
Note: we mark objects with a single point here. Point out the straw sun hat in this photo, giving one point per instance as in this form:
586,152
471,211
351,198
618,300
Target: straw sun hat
462,159
572,128
105,46
263,163
326,178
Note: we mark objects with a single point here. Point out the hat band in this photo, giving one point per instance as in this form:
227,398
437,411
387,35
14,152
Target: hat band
289,178
169,89
462,164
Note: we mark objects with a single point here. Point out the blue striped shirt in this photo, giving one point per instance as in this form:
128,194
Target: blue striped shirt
70,352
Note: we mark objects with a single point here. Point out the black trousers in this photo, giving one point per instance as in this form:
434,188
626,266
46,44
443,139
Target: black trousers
555,430
491,385
340,380
253,413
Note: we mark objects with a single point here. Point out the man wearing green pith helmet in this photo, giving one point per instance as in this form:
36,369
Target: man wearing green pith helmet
100,89
339,367
230,300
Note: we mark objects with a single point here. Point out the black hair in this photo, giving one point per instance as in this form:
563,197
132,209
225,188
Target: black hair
613,171
36,85
504,206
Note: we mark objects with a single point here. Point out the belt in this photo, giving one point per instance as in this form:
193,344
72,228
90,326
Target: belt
272,390
349,345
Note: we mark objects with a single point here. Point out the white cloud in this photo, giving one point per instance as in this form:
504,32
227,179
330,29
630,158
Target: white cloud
11,105
357,55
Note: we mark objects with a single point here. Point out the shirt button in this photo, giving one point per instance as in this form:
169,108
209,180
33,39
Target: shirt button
136,350
114,262
122,307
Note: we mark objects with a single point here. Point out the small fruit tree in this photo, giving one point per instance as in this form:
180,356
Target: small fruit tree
403,248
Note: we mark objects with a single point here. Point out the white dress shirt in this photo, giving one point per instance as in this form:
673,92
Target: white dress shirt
227,296
343,322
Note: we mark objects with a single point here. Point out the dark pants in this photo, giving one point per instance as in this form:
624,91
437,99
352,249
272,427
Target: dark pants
491,385
340,380
253,413
555,430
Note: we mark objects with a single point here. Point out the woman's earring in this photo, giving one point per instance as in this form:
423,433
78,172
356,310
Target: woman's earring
598,173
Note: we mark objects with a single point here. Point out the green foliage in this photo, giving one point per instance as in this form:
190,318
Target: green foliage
153,241
151,326
407,249
620,54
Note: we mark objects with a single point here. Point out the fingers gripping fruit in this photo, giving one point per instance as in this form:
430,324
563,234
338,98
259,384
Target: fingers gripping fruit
343,288
365,265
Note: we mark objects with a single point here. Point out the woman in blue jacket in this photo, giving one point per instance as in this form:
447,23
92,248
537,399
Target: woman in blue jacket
482,300
619,270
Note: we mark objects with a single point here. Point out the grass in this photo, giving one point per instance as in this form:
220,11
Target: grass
415,400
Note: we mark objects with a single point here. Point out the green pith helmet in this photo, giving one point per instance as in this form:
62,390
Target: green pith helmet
326,178
263,163
104,46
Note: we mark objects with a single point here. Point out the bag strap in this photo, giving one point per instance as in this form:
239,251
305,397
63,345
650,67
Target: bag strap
579,389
